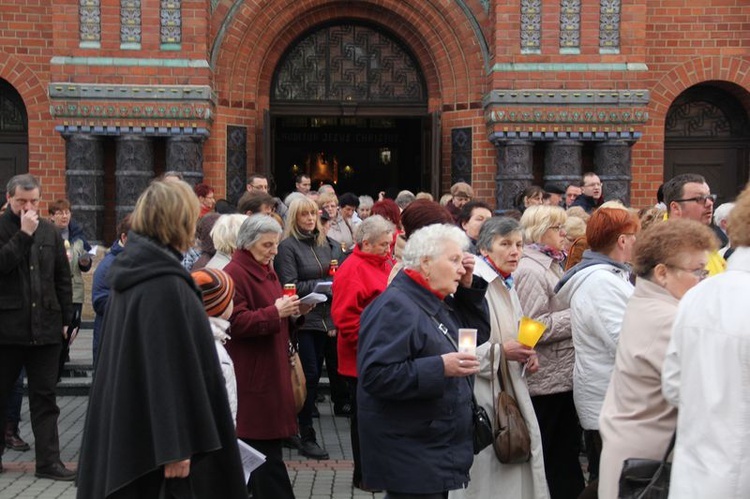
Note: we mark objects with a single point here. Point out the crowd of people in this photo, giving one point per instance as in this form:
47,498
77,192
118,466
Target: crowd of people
202,307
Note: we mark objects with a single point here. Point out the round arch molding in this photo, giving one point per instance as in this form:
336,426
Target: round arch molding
434,32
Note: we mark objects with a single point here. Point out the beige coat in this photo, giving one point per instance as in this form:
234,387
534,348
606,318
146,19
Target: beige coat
489,477
636,420
536,278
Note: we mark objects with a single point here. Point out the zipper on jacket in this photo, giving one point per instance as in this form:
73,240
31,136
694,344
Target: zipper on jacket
312,248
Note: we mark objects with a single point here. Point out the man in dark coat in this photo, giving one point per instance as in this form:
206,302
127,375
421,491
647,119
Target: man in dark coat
591,193
158,395
35,310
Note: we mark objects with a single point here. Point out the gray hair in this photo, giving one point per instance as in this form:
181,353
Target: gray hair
429,242
366,202
496,227
26,182
372,228
404,199
225,230
722,212
253,229
291,197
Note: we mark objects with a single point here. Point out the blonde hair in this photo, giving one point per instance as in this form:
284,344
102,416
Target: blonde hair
536,220
167,212
224,233
575,227
578,212
327,197
738,222
424,195
299,205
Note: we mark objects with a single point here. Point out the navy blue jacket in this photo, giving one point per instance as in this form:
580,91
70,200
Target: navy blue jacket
100,287
415,425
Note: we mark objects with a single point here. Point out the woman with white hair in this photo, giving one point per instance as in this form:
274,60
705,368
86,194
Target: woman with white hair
259,348
224,235
414,395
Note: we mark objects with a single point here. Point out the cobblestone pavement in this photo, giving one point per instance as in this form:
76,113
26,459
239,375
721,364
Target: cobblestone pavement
311,479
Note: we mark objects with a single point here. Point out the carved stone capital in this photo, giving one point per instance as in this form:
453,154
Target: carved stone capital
84,182
185,155
562,162
134,170
514,170
613,160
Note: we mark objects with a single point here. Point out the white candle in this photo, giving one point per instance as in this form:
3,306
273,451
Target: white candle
467,341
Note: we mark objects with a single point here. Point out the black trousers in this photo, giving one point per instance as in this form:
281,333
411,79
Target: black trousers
396,495
593,442
351,383
41,370
561,441
271,479
339,387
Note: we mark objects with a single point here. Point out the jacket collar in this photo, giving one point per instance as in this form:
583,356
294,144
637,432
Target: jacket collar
534,254
649,289
372,259
257,271
740,259
420,296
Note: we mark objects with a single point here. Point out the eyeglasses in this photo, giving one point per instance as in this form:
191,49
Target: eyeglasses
556,228
700,274
594,184
699,199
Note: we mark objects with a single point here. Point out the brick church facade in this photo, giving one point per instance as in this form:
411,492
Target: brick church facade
99,96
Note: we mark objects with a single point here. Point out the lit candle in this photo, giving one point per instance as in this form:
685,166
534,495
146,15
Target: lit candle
467,341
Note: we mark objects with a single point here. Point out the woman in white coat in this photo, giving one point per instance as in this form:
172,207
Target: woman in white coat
636,421
706,374
500,245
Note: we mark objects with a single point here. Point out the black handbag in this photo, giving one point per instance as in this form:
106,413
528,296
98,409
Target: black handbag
646,478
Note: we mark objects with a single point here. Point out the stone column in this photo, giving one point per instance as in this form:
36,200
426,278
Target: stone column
515,163
84,182
562,163
134,170
613,161
185,155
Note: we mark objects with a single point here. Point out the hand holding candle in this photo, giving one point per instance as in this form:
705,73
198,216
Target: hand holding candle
467,341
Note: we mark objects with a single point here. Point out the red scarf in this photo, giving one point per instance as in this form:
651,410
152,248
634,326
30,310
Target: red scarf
419,279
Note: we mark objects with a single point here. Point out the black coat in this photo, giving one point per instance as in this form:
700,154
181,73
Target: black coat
303,263
415,425
158,395
35,284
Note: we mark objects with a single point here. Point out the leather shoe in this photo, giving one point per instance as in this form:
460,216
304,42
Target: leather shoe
293,442
13,439
310,447
56,472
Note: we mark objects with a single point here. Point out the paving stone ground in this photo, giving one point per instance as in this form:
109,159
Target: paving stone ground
331,479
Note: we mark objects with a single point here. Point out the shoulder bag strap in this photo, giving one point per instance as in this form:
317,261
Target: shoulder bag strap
660,471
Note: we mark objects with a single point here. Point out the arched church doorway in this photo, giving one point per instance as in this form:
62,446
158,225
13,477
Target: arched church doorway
14,134
706,132
349,107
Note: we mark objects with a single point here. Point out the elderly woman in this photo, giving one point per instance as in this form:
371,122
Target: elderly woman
158,419
597,290
224,236
304,260
359,280
259,348
365,207
636,420
414,396
551,388
500,246
341,229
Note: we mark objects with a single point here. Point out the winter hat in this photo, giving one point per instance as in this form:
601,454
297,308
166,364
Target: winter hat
217,288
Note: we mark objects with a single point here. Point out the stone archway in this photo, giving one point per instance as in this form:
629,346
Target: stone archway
14,136
707,131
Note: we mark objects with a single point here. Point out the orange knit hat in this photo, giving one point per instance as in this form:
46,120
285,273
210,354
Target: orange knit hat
217,288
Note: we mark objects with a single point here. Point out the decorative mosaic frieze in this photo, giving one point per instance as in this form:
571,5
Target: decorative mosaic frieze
197,111
64,90
593,116
635,97
609,25
236,162
570,24
171,21
90,20
531,25
130,21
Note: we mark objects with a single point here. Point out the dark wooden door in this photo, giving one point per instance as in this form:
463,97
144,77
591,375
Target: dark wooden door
14,160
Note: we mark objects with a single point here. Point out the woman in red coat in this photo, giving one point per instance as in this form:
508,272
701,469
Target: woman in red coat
361,278
260,350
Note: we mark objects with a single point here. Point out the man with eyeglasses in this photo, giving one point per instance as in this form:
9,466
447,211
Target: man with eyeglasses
689,196
591,193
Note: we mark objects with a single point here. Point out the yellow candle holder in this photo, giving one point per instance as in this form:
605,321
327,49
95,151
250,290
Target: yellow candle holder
529,331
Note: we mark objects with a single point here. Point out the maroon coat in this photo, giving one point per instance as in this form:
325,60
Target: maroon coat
259,349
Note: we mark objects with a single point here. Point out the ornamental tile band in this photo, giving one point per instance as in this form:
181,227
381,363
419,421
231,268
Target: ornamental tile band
128,111
636,97
62,90
589,116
